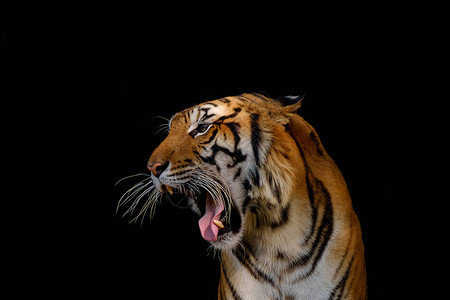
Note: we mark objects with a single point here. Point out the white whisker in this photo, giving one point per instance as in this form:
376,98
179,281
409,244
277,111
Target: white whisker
129,194
136,201
131,176
144,189
144,196
161,117
165,127
219,191
146,205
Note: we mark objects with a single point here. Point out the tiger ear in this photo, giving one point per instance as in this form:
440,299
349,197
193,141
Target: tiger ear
291,100
290,106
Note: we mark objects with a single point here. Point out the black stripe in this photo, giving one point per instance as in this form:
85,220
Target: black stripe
310,183
237,156
237,174
248,247
180,166
245,204
206,115
233,126
318,194
275,187
244,255
209,160
346,252
223,118
259,96
315,139
326,224
256,137
234,293
246,185
252,269
180,173
322,235
196,153
310,194
281,255
325,230
254,176
339,288
349,288
213,135
284,217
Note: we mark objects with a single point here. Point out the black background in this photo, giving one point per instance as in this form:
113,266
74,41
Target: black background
110,81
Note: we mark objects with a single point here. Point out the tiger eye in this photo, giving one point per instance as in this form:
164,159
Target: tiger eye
202,127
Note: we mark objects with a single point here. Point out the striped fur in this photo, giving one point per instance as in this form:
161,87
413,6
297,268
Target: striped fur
292,232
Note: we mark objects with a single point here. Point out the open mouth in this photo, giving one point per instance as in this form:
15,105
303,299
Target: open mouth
218,219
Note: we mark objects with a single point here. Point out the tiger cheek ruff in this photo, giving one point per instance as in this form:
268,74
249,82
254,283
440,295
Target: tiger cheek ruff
268,196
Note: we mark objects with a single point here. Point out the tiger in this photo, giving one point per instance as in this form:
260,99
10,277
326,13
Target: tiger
269,197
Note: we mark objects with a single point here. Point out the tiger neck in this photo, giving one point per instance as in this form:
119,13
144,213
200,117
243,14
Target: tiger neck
274,241
278,217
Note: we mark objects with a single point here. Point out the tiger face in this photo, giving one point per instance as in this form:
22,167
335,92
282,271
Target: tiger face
213,154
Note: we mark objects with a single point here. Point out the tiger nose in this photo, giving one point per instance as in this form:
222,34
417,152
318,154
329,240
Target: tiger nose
157,168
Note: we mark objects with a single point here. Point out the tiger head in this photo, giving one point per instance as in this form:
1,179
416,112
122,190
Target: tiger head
231,157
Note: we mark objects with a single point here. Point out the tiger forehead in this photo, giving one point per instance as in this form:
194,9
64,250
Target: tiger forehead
207,112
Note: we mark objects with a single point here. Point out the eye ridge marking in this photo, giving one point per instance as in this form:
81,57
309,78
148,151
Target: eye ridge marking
206,114
200,130
211,138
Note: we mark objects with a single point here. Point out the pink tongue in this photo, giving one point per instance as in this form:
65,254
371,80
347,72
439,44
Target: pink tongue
208,229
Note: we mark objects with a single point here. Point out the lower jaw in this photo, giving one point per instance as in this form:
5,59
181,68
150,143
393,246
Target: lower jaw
227,241
234,226
229,238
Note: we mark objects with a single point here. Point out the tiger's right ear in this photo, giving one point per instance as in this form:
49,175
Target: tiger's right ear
283,114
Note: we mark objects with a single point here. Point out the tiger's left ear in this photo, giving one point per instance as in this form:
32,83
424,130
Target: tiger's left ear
290,100
290,106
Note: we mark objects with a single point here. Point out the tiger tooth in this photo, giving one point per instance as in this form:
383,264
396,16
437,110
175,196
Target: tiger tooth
218,224
169,189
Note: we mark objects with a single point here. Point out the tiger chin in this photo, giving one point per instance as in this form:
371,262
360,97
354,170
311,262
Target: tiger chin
268,195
